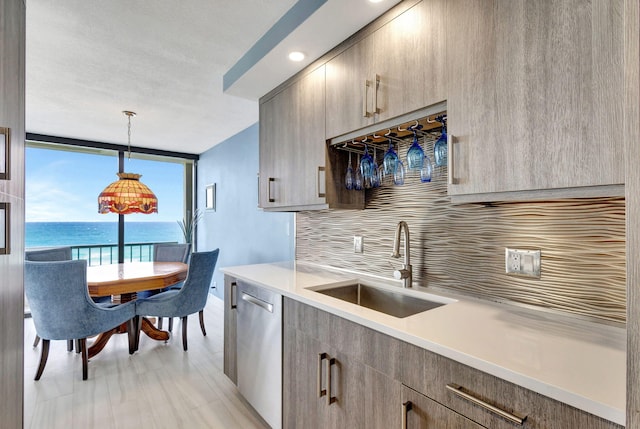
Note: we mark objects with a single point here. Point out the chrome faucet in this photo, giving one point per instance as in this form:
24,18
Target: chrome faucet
403,274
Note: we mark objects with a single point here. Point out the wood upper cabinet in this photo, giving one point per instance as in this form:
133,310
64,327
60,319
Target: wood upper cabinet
535,93
395,70
292,145
350,89
409,58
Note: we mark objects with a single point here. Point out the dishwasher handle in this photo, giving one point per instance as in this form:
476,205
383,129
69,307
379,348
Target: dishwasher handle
257,301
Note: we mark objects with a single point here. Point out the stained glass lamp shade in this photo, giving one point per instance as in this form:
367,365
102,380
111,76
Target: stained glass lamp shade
127,195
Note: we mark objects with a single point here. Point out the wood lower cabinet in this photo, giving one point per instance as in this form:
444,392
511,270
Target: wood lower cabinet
430,373
230,330
535,93
373,374
421,412
326,382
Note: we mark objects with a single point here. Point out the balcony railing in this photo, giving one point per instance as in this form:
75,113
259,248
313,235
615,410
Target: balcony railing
101,254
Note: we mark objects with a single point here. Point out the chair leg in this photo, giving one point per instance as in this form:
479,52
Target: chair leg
36,340
201,314
77,346
85,358
159,322
184,333
44,354
69,345
137,328
170,324
132,331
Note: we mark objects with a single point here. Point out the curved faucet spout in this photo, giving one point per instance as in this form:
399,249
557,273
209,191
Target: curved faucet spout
405,273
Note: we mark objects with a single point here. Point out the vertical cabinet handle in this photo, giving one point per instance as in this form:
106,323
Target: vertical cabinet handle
406,407
233,301
330,399
365,112
450,170
376,85
269,197
321,391
320,182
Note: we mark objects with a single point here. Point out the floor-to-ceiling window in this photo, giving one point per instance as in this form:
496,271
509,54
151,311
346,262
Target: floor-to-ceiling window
62,185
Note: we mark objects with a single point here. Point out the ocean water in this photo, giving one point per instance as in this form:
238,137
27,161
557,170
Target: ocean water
48,234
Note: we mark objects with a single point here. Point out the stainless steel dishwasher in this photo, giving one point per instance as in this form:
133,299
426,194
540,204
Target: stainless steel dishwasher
259,348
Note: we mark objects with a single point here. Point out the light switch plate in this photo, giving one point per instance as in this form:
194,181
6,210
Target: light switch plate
357,244
522,262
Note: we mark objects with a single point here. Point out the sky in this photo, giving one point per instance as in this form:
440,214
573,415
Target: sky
63,186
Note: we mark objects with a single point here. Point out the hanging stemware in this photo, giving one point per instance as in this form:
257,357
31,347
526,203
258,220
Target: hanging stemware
426,170
358,182
415,154
348,178
366,168
440,148
375,174
398,174
390,160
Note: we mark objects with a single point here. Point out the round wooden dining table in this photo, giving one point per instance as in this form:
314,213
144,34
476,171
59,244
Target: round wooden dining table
123,281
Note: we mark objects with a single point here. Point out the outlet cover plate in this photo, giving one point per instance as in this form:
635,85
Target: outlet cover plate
522,262
357,244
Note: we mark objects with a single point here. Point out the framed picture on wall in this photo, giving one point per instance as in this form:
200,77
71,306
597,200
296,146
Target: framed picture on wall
4,228
210,197
4,153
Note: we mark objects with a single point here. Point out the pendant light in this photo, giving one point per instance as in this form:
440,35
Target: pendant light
128,194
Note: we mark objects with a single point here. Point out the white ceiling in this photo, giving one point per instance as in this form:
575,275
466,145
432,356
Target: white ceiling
88,60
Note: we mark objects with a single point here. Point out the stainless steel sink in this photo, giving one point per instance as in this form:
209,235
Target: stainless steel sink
382,300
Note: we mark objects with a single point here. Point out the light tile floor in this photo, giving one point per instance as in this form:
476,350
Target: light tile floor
160,386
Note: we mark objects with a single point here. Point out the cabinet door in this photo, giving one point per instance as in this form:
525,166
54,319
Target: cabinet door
409,59
303,377
292,144
534,94
424,413
350,89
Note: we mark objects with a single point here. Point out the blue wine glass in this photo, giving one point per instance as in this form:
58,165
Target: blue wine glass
440,148
366,168
358,183
426,170
415,155
398,174
390,160
375,177
348,178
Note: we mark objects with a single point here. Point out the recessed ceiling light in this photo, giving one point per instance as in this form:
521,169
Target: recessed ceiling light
375,1
296,56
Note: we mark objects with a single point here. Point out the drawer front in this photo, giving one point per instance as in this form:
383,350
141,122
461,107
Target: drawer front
429,373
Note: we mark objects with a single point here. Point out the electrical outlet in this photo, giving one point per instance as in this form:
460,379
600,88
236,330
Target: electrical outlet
357,244
522,262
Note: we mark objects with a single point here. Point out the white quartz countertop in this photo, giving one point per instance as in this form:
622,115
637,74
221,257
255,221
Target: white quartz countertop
578,362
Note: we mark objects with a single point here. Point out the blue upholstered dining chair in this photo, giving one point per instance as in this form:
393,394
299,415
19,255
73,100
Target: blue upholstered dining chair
52,254
62,309
170,252
189,299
